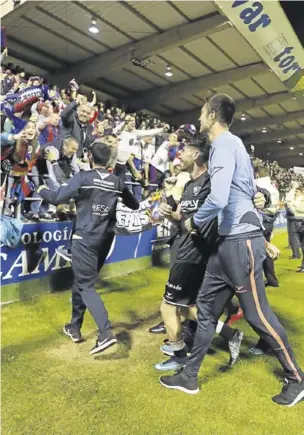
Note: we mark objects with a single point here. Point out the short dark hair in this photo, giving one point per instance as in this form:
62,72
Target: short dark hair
224,107
101,153
202,144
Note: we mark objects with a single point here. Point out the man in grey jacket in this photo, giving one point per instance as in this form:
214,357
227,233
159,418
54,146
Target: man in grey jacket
75,121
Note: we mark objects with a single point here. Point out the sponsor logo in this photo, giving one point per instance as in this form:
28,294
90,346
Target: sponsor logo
280,51
100,209
174,287
103,176
240,289
215,170
252,14
189,205
103,182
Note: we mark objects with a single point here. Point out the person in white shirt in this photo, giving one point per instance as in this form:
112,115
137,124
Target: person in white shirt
163,161
127,138
141,155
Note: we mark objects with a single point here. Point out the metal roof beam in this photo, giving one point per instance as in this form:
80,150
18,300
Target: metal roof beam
241,106
277,147
103,64
245,126
289,152
255,138
191,86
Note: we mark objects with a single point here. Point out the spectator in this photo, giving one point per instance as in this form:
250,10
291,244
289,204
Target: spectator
23,151
127,138
51,131
75,120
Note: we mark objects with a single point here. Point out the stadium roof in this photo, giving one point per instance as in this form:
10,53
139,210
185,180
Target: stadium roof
202,44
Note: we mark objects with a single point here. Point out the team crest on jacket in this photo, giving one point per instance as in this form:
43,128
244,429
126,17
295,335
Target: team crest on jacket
196,190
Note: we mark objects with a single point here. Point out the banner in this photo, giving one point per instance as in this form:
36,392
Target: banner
267,29
36,256
25,97
135,221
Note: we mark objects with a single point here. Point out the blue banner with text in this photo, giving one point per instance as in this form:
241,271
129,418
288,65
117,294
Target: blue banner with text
36,256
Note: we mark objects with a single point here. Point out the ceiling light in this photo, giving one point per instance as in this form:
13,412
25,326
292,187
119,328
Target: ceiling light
279,140
243,117
301,154
93,27
264,130
291,148
168,72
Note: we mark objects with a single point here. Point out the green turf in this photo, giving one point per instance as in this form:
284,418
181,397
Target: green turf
51,386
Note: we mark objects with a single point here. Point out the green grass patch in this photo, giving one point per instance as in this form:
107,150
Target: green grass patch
51,386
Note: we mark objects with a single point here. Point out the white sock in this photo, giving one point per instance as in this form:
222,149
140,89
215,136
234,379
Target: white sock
219,326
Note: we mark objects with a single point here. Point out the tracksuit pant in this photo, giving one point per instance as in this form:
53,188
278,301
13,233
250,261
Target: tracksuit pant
89,256
298,229
236,267
268,264
294,238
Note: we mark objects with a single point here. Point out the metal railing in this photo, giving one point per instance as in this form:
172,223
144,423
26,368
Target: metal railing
17,211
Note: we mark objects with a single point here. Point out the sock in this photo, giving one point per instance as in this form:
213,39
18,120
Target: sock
179,350
227,332
219,326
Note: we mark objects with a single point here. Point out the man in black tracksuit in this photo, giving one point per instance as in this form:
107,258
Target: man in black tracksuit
96,193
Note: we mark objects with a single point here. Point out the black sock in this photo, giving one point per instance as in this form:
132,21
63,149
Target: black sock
180,355
227,332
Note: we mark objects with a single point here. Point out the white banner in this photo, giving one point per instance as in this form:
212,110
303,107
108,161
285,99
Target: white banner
133,221
267,29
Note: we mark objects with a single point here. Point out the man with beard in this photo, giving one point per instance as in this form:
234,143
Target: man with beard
191,255
236,263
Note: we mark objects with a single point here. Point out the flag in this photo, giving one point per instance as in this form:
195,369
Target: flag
21,189
3,38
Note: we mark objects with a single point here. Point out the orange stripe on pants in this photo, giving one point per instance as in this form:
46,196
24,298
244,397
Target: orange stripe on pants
262,317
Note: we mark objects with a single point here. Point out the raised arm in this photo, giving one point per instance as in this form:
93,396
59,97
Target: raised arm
129,199
67,115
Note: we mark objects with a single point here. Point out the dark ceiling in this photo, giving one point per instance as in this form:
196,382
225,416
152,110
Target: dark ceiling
295,13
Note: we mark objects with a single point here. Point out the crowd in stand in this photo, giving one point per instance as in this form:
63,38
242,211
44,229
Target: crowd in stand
46,134
284,179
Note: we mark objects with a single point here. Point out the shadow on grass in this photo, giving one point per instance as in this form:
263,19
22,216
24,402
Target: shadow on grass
10,354
124,347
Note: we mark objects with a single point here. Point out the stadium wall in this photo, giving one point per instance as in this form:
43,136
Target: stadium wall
35,267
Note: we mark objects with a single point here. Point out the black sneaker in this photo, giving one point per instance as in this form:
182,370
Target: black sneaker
271,284
292,393
64,253
180,381
234,346
103,342
158,329
73,332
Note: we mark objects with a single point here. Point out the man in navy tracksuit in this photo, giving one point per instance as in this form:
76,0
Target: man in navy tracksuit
236,263
96,193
